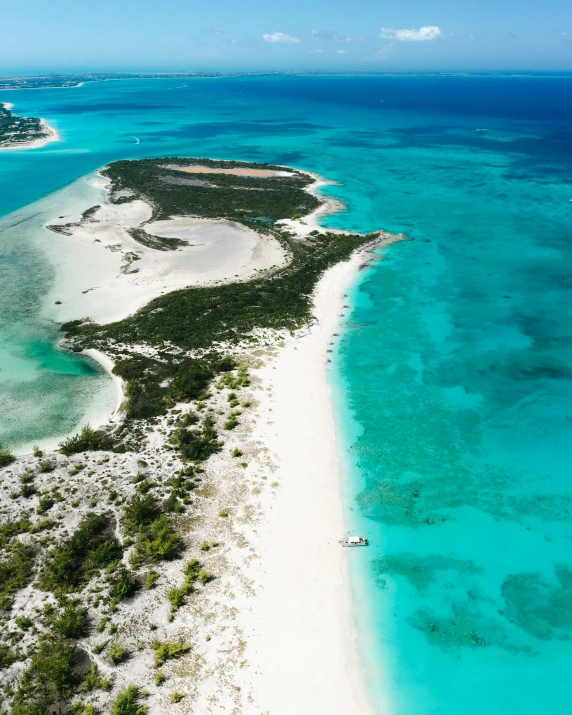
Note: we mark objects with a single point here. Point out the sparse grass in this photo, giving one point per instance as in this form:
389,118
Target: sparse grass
176,697
160,678
94,681
128,702
46,503
165,651
237,452
177,597
117,653
152,577
223,513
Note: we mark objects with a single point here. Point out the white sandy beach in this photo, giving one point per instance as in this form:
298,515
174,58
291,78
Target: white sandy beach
303,643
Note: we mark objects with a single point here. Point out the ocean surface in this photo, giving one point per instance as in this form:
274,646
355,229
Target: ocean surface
452,375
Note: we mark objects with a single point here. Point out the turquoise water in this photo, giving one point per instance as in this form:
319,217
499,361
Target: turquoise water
452,376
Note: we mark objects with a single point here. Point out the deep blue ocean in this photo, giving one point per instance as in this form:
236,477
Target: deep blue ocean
452,375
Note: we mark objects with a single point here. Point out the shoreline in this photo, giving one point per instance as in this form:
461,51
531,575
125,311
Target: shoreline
294,629
107,364
284,607
53,136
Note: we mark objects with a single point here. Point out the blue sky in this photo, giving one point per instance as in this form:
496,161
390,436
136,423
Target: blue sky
291,34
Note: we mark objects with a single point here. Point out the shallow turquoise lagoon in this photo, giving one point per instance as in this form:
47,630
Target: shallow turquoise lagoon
452,376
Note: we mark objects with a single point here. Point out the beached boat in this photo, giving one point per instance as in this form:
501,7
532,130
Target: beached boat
354,541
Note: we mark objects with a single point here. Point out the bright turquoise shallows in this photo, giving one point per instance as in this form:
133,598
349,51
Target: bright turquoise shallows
452,378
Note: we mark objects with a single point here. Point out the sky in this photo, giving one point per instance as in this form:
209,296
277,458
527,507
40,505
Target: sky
265,35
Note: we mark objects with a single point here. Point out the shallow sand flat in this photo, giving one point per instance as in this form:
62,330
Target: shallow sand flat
104,274
198,169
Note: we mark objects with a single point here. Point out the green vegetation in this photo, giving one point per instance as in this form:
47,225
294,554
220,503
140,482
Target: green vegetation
196,444
6,457
128,702
86,440
92,547
176,697
51,677
46,503
124,585
156,538
73,622
94,681
117,653
16,572
165,651
172,192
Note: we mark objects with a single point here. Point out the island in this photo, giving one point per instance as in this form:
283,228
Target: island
23,132
163,560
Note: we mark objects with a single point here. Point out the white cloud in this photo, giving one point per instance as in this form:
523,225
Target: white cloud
342,52
429,32
280,37
219,30
316,51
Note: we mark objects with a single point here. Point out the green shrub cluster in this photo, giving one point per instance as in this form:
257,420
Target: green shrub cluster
16,572
156,538
123,585
196,444
88,440
165,651
72,622
128,702
6,457
146,377
241,198
51,678
92,547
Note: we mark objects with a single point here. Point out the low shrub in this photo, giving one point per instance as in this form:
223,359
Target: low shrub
73,621
128,702
165,651
6,458
91,548
86,440
123,586
117,653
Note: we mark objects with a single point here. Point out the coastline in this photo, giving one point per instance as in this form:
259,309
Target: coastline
304,637
107,364
52,135
281,602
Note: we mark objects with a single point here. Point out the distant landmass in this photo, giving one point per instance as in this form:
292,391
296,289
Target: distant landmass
75,80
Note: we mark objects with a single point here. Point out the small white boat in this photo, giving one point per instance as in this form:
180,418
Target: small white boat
354,541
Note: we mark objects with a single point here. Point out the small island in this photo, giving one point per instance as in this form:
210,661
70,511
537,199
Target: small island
23,132
133,572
